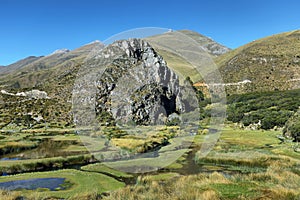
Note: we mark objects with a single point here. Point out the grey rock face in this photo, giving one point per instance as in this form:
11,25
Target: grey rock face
137,86
215,48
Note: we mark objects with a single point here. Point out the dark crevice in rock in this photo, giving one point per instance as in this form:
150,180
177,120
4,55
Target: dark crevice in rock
137,86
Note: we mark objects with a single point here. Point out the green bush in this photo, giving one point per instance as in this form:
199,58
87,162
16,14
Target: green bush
292,127
173,122
271,108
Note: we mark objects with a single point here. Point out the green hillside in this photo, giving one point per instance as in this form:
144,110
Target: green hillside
271,63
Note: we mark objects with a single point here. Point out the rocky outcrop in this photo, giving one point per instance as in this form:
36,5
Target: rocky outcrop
60,51
33,94
215,48
137,86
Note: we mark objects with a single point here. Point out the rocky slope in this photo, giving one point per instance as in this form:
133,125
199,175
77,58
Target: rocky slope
136,86
37,71
52,77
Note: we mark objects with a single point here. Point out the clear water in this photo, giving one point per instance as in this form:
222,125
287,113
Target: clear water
33,184
5,159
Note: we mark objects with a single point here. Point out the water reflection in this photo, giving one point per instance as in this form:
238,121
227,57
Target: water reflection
33,184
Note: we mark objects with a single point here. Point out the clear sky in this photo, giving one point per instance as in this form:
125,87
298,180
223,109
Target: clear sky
38,27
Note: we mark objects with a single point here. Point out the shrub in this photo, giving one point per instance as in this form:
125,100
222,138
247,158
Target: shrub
271,108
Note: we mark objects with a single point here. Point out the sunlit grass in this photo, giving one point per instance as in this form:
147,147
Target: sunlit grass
82,183
251,165
102,168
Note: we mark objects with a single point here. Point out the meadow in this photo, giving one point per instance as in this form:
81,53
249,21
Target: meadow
244,164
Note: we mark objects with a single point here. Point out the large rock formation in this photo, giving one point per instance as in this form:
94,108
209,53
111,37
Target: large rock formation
137,86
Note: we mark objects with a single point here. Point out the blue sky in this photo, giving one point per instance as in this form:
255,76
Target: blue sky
38,27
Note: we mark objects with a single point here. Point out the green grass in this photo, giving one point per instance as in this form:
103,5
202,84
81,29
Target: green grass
19,166
46,149
236,190
256,165
163,160
83,182
169,155
102,168
247,169
249,151
249,138
258,141
174,166
158,177
278,182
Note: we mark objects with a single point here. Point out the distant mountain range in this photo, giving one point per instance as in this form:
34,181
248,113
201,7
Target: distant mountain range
18,65
42,86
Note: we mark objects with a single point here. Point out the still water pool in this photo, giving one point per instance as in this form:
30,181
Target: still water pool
33,184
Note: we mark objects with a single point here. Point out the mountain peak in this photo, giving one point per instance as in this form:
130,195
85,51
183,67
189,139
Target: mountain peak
60,51
132,47
94,42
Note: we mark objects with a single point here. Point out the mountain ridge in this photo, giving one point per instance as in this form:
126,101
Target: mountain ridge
18,65
54,60
55,74
266,64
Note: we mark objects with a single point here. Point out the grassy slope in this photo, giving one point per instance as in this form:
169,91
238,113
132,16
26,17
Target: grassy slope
270,63
101,168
